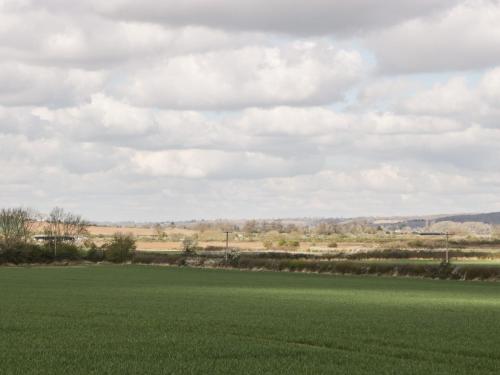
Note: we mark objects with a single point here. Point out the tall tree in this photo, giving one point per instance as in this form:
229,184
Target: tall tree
62,223
16,225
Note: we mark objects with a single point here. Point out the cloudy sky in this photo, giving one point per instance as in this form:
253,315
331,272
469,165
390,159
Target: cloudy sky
169,110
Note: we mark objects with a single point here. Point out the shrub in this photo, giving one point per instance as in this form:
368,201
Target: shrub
25,253
443,271
479,273
120,249
66,250
281,242
214,248
268,244
94,253
189,245
155,258
288,245
233,258
427,244
181,261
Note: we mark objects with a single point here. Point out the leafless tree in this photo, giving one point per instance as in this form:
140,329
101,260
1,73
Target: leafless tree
251,226
62,223
160,231
16,225
495,231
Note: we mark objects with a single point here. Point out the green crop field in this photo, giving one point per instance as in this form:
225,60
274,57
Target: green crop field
159,320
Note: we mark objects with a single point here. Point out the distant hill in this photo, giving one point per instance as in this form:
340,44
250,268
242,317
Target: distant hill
489,218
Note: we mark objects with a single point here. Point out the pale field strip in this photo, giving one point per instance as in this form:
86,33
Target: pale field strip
157,245
250,246
241,245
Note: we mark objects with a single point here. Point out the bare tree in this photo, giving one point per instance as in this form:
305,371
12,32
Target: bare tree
495,231
61,223
251,226
16,225
160,231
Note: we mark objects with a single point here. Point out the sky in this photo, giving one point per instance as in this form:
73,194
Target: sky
202,109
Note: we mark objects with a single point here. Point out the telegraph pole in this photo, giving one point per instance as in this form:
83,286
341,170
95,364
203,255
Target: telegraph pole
447,255
227,246
446,237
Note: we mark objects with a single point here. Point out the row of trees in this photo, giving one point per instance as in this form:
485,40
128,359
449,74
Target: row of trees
321,228
18,225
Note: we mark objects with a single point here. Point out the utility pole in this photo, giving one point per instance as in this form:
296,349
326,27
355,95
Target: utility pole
446,237
447,255
227,246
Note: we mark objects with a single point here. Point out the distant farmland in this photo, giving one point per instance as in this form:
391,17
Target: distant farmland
159,320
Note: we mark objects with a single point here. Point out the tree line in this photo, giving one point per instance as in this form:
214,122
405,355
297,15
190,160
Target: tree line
65,238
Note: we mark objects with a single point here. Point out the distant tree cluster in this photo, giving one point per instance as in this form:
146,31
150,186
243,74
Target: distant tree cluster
63,233
254,226
354,227
222,226
495,231
464,229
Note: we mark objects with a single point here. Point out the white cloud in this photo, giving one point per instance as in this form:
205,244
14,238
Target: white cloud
489,87
80,39
456,98
453,96
169,110
464,37
196,163
301,73
286,16
25,85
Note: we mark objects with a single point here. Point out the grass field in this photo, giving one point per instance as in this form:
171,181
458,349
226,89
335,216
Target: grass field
160,320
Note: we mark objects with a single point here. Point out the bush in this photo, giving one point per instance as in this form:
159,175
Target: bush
25,253
189,245
268,244
233,258
214,248
288,245
143,257
427,244
479,273
120,249
66,250
94,253
282,242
